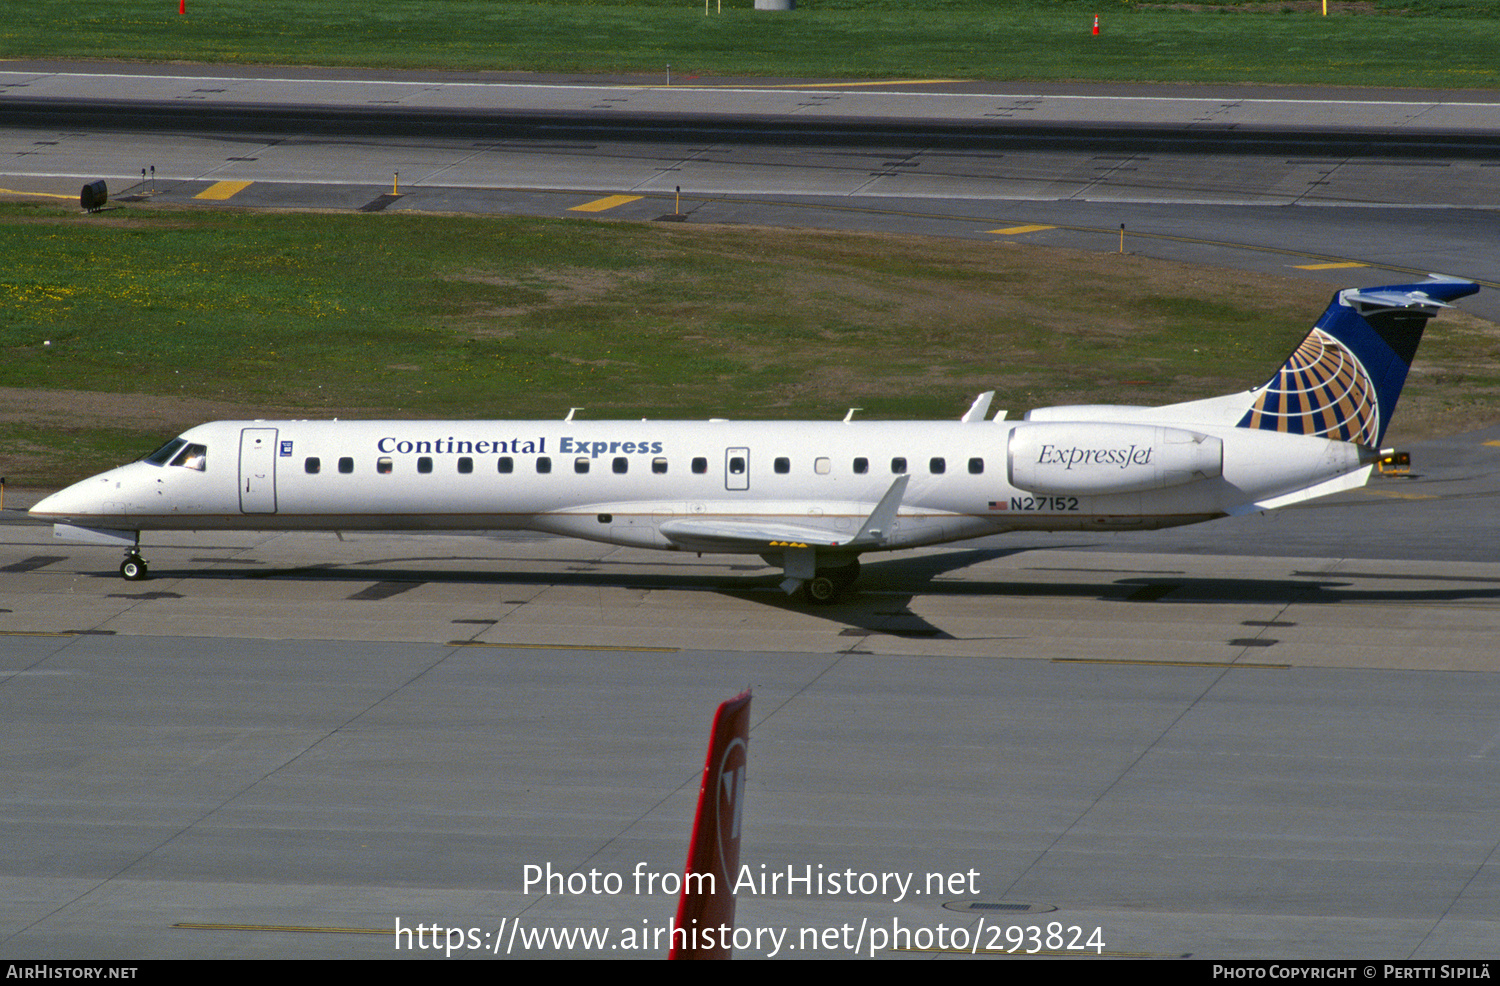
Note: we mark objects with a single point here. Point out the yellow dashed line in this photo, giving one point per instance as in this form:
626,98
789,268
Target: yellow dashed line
1340,266
1400,496
221,190
43,195
608,202
1013,230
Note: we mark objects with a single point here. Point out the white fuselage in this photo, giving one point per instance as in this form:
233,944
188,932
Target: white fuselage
621,481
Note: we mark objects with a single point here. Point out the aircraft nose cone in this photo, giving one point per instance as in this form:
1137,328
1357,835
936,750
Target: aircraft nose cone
83,499
51,505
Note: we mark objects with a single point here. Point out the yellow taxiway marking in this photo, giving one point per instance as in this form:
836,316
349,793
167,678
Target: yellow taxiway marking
1497,442
1339,266
197,926
43,195
1013,230
1105,230
1401,496
221,190
608,202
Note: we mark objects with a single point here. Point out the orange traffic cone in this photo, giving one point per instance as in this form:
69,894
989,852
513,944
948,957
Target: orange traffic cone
1096,25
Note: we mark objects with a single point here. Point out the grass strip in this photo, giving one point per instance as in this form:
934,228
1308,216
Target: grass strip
1423,43
118,330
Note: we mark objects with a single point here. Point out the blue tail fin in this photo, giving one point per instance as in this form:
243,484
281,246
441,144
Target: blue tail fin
1343,381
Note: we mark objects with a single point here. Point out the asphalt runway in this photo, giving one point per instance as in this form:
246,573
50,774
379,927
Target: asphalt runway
290,745
1272,737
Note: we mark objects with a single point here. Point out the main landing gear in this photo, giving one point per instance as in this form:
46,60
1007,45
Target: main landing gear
829,584
133,568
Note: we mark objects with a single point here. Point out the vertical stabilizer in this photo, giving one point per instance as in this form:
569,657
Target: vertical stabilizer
1344,379
705,912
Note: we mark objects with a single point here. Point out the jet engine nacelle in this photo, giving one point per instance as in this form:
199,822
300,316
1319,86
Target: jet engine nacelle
1084,459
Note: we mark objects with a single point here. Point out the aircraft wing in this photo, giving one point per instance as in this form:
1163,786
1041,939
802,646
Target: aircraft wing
754,537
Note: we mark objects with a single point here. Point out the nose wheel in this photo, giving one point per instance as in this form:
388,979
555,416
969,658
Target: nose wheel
133,568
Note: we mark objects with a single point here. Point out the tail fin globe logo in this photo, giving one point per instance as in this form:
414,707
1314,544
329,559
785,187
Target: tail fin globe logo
1343,382
1323,391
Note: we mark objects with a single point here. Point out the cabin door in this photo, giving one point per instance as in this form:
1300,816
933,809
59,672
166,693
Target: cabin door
258,470
737,469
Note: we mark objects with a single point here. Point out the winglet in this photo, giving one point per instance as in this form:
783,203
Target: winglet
878,525
705,913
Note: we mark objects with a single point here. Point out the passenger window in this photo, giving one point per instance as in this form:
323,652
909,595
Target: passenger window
465,465
659,466
822,466
898,465
782,465
507,464
621,464
383,465
861,466
346,465
736,465
976,466
543,464
424,464
312,465
700,466
937,466
580,465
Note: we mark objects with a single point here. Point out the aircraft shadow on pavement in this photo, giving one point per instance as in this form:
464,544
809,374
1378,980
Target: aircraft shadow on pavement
881,601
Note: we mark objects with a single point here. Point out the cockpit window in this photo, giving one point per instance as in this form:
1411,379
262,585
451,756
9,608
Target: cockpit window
164,454
192,457
180,452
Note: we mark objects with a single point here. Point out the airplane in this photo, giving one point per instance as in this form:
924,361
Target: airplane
809,497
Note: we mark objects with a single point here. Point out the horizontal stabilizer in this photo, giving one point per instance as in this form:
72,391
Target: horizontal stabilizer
1385,298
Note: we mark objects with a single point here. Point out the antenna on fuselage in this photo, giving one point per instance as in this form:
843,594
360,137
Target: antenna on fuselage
850,416
979,408
572,411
